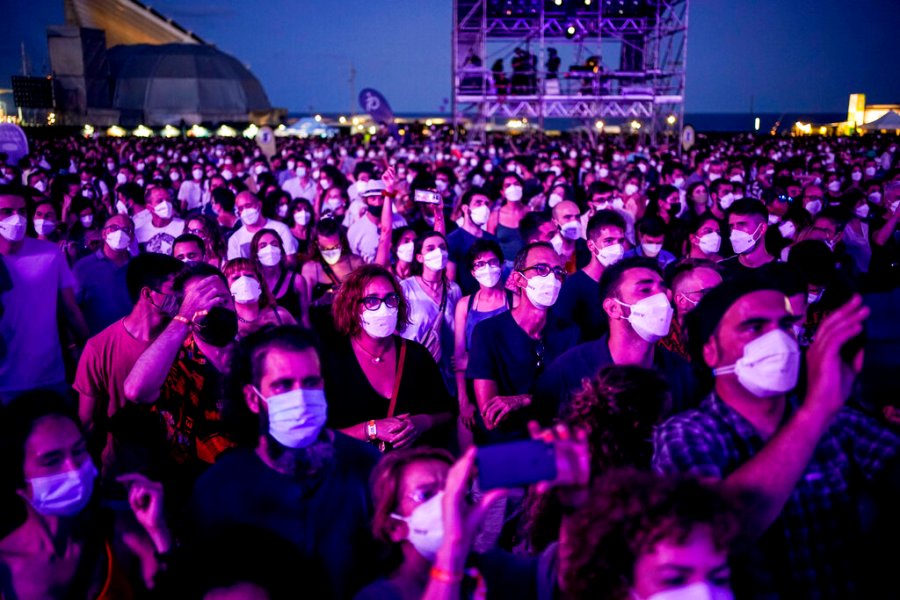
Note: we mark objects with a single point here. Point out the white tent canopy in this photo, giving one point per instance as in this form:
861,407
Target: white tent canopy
890,120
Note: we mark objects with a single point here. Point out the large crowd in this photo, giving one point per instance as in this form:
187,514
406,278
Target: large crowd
524,368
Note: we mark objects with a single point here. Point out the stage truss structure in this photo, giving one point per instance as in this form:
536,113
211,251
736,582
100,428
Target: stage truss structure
620,62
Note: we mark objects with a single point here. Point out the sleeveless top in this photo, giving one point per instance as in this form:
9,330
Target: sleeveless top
474,317
289,298
510,241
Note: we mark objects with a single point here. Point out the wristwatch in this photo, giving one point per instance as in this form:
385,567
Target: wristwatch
371,430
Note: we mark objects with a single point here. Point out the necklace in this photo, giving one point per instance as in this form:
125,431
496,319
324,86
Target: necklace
243,320
375,357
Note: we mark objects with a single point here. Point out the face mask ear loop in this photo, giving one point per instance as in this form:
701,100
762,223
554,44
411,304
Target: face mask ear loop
723,371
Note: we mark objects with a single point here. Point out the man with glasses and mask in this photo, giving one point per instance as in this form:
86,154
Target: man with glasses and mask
637,305
804,461
510,350
690,280
290,475
102,292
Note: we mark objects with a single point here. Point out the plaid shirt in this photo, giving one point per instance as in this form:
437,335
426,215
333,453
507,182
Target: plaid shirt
812,548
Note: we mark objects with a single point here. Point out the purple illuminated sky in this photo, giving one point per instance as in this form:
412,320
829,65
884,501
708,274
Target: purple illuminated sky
791,55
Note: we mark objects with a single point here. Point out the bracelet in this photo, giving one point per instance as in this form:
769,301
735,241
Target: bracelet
445,576
182,319
199,313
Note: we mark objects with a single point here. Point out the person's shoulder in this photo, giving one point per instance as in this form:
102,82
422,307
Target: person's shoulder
498,323
417,352
579,353
86,263
354,453
230,469
32,245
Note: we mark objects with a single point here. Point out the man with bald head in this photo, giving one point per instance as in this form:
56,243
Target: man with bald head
249,209
569,240
101,290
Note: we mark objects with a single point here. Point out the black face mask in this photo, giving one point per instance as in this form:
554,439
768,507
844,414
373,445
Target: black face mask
375,210
218,327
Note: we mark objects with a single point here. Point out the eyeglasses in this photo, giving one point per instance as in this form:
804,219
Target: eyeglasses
480,264
423,495
197,232
544,269
392,300
114,228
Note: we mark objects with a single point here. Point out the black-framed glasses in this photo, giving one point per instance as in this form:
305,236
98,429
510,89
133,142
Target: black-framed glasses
480,264
392,300
543,269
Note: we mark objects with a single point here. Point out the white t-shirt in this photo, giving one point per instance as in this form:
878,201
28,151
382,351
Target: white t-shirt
192,193
297,190
159,239
363,236
33,354
239,242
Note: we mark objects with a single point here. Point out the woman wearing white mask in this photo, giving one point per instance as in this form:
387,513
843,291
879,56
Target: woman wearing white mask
253,302
45,222
287,285
623,545
485,262
504,220
56,542
705,241
432,299
404,252
382,388
300,218
329,264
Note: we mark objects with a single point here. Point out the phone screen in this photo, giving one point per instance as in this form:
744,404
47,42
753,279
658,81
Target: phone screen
427,196
516,464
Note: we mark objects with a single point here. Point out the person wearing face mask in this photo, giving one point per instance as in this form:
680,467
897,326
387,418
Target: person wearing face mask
253,301
300,217
58,540
706,240
579,298
287,285
302,185
753,432
41,289
383,388
508,352
403,252
364,235
748,222
651,236
291,474
504,220
221,200
45,225
164,226
190,192
181,371
637,305
249,209
649,538
432,301
475,207
721,195
569,240
102,293
485,264
690,280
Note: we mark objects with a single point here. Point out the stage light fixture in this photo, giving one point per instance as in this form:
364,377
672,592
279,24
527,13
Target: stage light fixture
570,32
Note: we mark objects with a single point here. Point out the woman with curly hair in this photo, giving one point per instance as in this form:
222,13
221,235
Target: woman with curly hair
642,537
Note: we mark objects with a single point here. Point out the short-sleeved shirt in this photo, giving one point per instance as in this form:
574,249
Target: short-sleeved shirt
458,244
664,258
101,291
813,546
159,239
326,515
297,189
38,272
191,193
239,242
502,352
579,304
564,377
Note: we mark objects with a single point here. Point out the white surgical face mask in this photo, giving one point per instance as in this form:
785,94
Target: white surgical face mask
770,365
611,254
296,418
814,207
651,250
426,526
282,210
405,251
603,172
630,189
513,193
44,226
13,227
331,256
742,242
488,275
862,211
855,176
834,186
333,204
121,207
64,494
480,214
787,229
301,217
301,172
650,317
379,323
246,290
726,200
870,171
121,178
571,230
554,200
163,210
118,240
269,256
250,216
543,291
436,259
197,174
710,243
701,590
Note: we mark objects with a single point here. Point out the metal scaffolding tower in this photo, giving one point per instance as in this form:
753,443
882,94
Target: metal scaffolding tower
615,61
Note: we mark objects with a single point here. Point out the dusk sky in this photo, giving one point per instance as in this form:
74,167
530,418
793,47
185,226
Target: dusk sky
791,55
